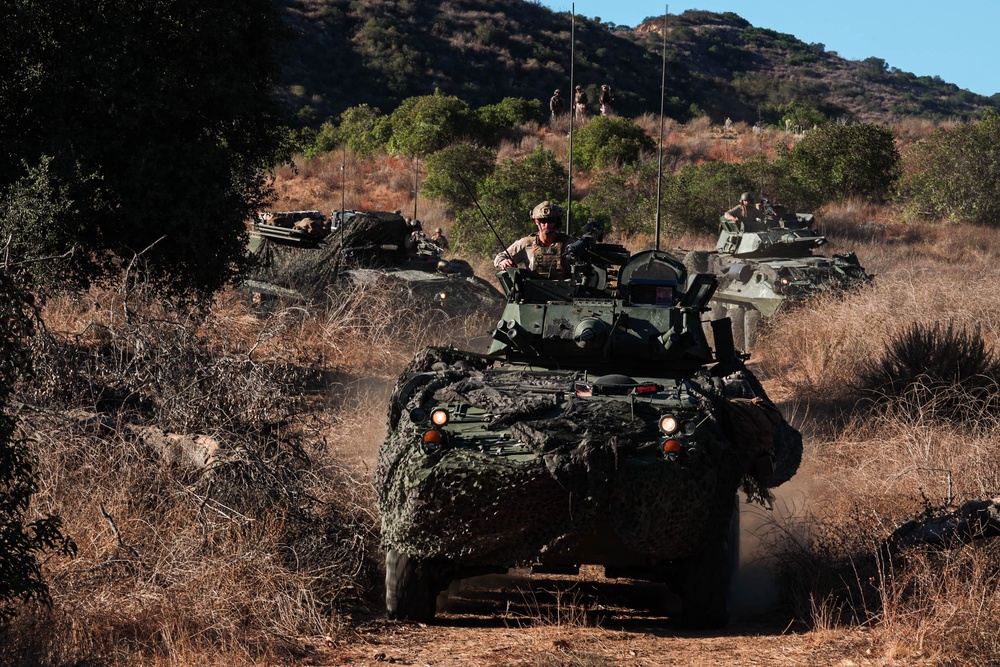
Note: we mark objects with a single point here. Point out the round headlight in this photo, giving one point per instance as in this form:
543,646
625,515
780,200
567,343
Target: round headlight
668,424
439,417
418,415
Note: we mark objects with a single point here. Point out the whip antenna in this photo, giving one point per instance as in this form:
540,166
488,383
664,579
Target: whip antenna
572,112
659,158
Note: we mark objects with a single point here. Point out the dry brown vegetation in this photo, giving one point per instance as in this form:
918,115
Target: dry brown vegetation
265,549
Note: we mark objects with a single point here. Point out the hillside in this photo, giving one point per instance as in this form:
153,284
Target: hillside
347,52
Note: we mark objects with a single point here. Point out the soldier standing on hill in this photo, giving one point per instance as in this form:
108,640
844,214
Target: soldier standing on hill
557,104
580,103
606,99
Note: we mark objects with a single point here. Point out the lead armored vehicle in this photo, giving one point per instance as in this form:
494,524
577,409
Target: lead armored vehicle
599,429
768,263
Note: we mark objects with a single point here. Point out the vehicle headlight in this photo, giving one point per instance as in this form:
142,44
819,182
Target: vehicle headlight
439,417
669,424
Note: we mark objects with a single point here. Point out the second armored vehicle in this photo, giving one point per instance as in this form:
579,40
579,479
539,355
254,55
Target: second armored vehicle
600,429
767,263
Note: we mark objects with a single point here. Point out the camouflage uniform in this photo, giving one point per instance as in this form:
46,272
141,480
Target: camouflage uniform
580,101
606,99
548,260
557,104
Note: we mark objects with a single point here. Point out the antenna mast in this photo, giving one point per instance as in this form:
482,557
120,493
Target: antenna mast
572,110
659,158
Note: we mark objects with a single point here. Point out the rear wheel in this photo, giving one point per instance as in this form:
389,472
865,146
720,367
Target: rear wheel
738,316
751,325
705,581
411,587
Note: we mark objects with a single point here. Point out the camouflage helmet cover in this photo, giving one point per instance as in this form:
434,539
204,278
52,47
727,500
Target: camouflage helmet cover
546,211
746,196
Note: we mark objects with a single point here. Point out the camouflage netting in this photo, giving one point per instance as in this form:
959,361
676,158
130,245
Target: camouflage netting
484,509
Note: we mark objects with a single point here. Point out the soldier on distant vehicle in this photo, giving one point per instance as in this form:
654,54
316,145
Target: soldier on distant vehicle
606,98
580,101
439,239
557,105
744,211
544,251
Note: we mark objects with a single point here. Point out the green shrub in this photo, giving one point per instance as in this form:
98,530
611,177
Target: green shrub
841,161
364,128
607,141
423,125
956,173
507,198
447,168
509,113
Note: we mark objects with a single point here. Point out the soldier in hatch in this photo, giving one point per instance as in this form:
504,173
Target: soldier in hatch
439,239
745,211
544,251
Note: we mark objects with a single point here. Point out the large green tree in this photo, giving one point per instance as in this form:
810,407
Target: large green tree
955,173
840,161
124,121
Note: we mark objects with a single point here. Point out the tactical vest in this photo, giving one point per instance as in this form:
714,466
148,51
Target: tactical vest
548,261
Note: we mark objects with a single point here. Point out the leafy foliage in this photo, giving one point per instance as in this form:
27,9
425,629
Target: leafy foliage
694,199
21,541
449,167
610,141
627,198
840,161
955,173
507,197
148,120
422,125
511,111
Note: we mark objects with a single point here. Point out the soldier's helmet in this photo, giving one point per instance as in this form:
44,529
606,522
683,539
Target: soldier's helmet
746,196
579,87
557,92
546,211
604,86
439,231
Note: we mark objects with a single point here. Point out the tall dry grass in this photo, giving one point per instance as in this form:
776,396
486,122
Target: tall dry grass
869,469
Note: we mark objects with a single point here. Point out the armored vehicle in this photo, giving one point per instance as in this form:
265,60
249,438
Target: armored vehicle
599,429
300,253
767,263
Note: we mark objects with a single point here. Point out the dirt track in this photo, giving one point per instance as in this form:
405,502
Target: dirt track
587,622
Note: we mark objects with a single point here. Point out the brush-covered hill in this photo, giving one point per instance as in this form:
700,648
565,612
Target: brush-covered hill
348,52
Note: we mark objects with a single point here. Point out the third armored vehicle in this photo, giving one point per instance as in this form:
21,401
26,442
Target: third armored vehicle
764,264
600,429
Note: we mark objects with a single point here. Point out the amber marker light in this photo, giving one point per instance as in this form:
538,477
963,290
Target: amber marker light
432,437
439,417
671,447
668,424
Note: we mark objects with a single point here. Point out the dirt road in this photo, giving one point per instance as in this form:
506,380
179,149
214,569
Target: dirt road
587,622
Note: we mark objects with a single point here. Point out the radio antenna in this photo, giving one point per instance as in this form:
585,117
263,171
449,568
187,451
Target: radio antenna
659,158
572,111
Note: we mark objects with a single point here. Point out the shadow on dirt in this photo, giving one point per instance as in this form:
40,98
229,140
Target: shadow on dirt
521,599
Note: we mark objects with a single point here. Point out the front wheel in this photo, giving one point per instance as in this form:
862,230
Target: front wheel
411,587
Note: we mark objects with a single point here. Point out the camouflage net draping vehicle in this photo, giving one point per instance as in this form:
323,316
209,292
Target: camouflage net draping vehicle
301,253
600,429
766,264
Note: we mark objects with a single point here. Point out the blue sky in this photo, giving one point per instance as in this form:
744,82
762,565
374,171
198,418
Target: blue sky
954,40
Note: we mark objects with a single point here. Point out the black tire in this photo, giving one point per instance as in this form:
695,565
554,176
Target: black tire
751,327
410,588
738,316
705,581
